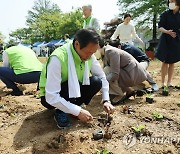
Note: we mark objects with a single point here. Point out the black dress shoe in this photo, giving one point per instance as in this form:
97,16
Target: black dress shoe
124,98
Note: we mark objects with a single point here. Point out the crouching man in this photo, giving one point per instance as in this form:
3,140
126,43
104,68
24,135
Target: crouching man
20,65
72,76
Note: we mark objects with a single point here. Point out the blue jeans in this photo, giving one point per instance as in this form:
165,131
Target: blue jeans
9,78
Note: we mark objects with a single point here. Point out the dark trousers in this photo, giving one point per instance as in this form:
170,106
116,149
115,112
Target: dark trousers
9,78
87,92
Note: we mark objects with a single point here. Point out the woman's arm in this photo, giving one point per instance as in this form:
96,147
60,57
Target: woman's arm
169,32
136,36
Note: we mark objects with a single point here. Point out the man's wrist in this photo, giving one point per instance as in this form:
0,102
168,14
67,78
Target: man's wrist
106,101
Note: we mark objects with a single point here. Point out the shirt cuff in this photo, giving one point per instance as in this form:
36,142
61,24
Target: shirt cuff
75,110
105,95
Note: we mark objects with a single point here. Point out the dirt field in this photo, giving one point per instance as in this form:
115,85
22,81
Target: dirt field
27,127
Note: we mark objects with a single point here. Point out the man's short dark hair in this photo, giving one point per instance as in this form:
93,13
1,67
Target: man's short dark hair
115,43
86,36
127,15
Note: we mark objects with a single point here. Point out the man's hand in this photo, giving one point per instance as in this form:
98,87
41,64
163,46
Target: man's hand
85,116
109,108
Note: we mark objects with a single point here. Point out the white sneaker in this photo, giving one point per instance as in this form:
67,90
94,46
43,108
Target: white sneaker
155,87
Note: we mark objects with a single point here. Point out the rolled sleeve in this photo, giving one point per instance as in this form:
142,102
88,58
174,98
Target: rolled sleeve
98,71
53,88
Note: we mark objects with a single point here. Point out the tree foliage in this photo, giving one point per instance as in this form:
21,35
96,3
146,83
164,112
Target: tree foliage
21,34
144,12
46,22
40,7
1,38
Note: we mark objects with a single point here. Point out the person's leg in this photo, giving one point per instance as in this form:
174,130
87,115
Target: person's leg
144,64
152,82
27,78
170,74
164,69
114,89
88,91
45,104
8,77
61,118
154,85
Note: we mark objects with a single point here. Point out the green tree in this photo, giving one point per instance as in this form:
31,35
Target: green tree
46,22
2,37
71,22
145,12
55,25
21,35
40,7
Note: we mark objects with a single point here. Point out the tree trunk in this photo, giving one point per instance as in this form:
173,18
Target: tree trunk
154,26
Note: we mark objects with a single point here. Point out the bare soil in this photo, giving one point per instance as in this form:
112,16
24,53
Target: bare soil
27,127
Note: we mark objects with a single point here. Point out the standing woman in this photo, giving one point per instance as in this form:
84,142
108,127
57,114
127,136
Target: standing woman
126,31
168,50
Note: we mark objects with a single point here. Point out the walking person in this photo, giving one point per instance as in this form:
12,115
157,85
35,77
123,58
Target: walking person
168,50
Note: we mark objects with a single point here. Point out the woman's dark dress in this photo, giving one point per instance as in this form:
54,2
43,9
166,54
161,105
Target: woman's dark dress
168,49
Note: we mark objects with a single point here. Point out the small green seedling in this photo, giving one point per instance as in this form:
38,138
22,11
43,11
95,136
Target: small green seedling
13,115
150,98
158,116
37,96
177,86
138,130
165,91
103,152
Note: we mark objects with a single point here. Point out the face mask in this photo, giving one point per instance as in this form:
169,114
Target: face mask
172,6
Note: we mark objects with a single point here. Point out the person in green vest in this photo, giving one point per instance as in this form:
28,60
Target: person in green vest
20,65
90,21
72,76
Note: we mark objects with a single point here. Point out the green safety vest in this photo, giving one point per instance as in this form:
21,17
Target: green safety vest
88,22
23,60
62,55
